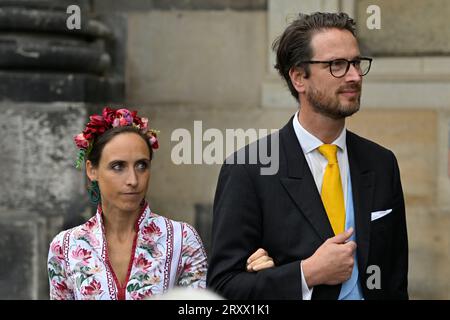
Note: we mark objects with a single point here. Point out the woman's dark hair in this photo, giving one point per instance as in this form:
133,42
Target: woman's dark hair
294,45
101,141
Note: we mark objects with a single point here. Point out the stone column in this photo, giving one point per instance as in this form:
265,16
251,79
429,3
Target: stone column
50,79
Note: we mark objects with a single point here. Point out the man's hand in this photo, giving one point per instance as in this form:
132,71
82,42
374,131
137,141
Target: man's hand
332,263
259,260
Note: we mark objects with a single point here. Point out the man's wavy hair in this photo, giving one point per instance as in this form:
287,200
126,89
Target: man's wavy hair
294,45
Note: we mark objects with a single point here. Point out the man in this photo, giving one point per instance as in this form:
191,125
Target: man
333,216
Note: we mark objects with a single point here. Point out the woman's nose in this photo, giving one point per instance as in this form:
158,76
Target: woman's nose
132,178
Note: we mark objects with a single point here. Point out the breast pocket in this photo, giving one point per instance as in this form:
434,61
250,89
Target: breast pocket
381,233
375,215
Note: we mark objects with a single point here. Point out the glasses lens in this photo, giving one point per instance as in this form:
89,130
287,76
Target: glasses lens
364,67
339,67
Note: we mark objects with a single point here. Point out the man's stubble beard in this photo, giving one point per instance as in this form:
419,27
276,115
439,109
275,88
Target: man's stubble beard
330,107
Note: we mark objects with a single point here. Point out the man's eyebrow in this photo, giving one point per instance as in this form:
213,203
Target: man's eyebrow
338,58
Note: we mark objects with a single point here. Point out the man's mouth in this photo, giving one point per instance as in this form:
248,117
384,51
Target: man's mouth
350,93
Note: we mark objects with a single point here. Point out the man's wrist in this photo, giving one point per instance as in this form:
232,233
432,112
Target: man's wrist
309,273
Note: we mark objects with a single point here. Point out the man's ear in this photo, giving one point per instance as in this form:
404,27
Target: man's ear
297,76
91,171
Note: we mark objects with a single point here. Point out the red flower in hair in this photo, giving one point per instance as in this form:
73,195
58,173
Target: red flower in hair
81,141
154,141
108,115
110,118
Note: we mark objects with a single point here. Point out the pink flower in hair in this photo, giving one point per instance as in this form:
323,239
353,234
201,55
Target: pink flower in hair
81,141
110,118
154,142
124,116
144,125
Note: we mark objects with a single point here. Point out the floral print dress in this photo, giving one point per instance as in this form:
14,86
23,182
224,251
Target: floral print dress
165,254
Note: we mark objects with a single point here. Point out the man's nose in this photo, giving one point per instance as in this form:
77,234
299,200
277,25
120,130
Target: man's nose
353,74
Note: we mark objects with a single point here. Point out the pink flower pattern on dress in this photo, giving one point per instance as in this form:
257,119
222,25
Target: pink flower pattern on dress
151,229
82,254
62,290
141,263
92,289
78,268
57,250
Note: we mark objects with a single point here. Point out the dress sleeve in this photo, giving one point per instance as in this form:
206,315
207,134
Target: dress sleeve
193,260
60,285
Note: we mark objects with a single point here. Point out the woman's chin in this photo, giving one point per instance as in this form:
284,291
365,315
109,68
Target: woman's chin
130,206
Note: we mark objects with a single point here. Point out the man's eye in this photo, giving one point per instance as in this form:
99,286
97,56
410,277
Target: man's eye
339,64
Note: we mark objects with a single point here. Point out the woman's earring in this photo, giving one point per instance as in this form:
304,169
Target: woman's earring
94,192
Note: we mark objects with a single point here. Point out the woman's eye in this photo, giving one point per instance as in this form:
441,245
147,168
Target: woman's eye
117,166
141,166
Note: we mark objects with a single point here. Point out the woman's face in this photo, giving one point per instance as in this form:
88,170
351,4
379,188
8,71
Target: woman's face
123,172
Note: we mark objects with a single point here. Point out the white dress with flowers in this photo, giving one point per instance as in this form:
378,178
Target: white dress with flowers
165,253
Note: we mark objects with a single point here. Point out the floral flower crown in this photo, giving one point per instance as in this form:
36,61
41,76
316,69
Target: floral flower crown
110,118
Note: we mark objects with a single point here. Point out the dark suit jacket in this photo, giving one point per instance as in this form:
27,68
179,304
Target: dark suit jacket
284,214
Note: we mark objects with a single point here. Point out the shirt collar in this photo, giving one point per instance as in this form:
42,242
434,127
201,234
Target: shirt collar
309,142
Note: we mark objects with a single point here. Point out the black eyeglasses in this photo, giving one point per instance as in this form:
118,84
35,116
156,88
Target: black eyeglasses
340,67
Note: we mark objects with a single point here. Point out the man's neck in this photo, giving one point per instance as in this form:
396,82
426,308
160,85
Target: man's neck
324,128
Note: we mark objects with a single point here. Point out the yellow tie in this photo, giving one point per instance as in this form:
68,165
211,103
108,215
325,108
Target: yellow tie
332,195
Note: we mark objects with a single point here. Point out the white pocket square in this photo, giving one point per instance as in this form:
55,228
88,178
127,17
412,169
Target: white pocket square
379,214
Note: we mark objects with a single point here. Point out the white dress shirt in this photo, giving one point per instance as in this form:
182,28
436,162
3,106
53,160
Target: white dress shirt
317,164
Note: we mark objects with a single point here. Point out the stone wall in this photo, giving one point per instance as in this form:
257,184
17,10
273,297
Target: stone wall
408,28
50,76
41,191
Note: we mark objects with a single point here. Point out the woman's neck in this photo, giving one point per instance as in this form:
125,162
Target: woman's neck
118,223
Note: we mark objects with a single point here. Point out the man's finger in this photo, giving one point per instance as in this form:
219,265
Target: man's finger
257,254
342,237
351,244
260,261
265,265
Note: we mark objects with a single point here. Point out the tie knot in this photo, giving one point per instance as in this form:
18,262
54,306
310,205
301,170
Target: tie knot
329,151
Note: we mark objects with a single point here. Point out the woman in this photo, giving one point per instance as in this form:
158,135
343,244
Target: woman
125,251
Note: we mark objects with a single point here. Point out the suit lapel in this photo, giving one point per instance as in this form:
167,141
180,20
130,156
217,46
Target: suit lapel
363,181
300,184
301,187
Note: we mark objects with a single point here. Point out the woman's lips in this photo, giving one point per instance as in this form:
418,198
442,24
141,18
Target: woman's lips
130,194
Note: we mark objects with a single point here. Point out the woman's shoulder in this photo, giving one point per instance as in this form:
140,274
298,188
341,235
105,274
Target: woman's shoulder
163,219
188,231
88,226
